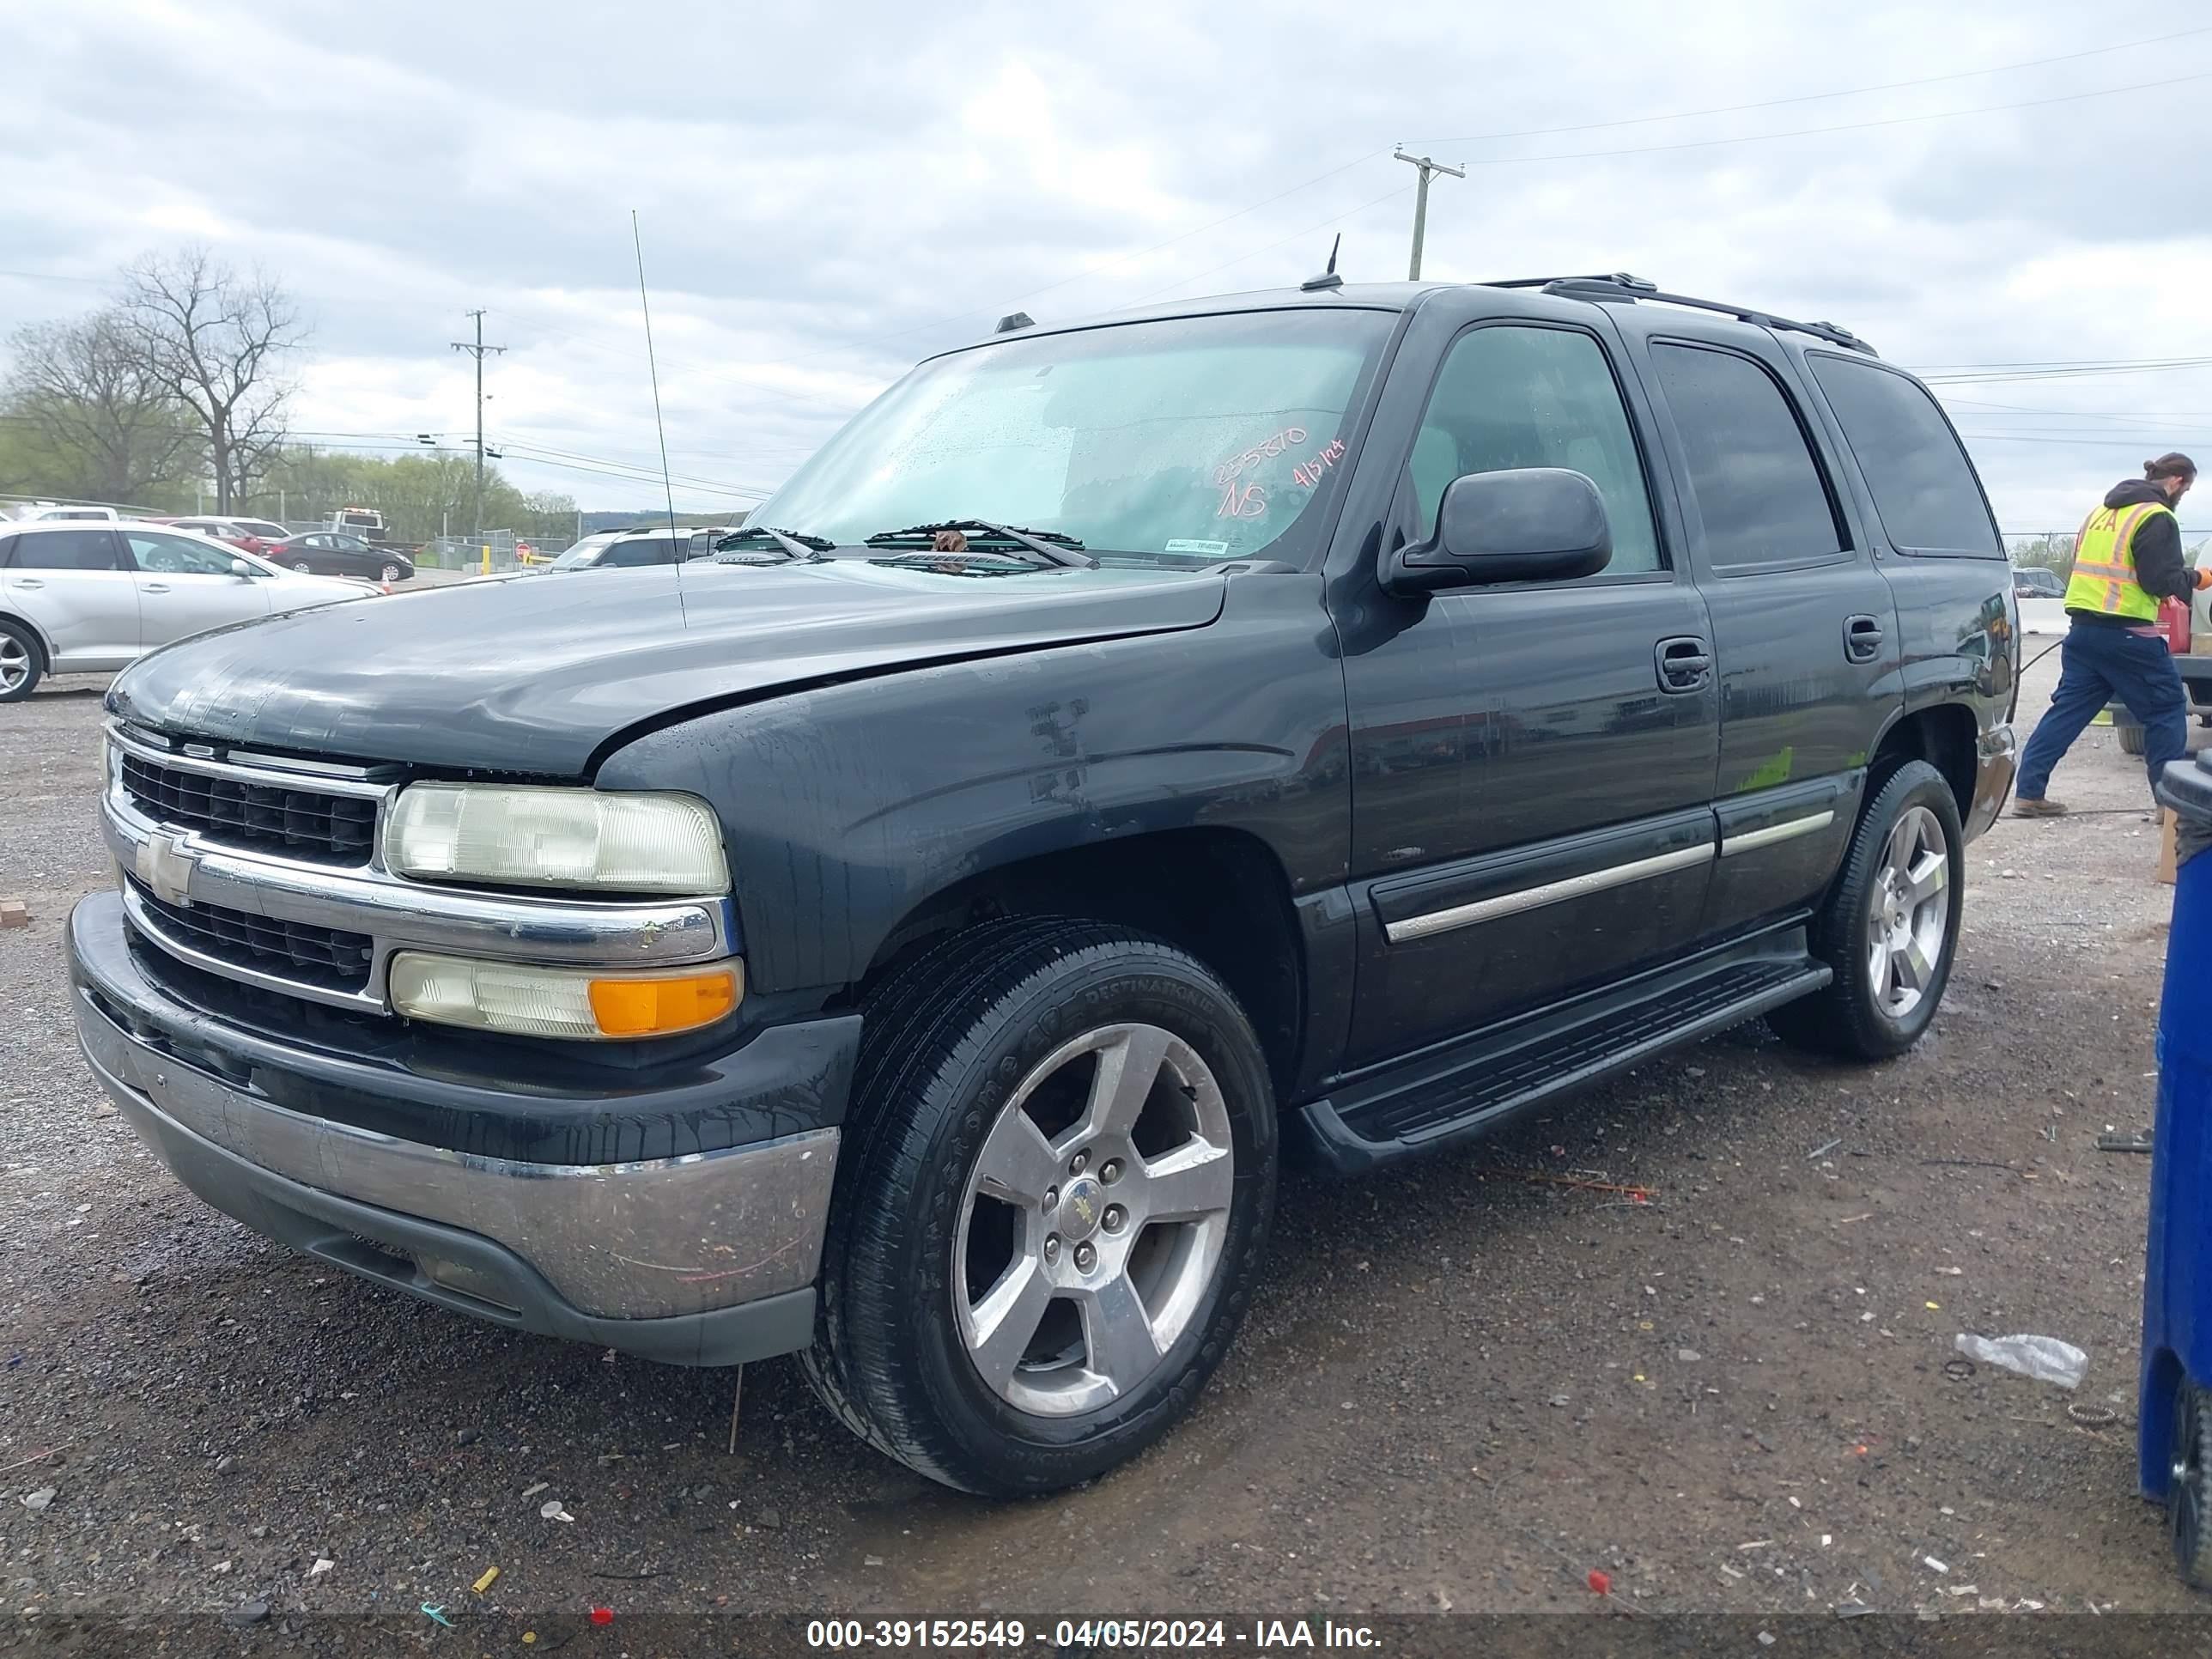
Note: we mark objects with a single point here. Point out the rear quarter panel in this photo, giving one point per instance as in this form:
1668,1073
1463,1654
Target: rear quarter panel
1957,621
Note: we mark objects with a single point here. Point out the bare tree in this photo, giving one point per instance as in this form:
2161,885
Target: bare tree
92,396
221,342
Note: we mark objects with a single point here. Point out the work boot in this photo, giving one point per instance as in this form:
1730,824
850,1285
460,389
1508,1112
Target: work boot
2025,808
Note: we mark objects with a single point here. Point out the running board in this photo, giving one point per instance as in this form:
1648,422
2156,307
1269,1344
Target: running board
1471,1086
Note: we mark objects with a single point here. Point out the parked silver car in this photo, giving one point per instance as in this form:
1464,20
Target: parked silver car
78,597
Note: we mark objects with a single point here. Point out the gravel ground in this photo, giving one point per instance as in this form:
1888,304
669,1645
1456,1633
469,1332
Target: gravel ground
1460,1388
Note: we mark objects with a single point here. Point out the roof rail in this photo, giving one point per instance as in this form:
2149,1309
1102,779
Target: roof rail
1627,290
1619,279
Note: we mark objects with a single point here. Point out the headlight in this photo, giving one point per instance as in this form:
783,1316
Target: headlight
536,838
593,1005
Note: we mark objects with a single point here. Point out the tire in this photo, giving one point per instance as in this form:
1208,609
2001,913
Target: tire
303,566
389,574
2189,1493
1860,1014
23,662
2131,739
990,1043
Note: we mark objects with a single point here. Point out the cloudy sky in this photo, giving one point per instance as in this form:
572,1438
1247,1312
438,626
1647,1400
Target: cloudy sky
828,193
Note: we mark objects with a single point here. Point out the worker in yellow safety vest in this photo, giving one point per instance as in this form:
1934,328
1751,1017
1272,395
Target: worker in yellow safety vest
2126,562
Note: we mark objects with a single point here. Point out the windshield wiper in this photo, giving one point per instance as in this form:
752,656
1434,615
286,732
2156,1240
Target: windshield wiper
794,545
1049,545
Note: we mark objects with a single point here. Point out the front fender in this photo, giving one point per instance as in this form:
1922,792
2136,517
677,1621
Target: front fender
846,807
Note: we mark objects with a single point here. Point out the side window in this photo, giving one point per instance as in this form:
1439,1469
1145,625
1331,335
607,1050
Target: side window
68,550
643,551
1923,486
1513,396
1758,487
174,556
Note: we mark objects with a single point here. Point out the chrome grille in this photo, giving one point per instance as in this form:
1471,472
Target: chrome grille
325,957
298,822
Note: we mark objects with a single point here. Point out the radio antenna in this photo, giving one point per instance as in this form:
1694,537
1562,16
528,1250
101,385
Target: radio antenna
652,368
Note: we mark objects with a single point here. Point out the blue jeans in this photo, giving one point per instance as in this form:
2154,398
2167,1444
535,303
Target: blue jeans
2097,665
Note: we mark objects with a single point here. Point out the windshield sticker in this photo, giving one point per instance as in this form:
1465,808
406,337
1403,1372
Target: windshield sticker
1236,465
1309,473
1183,544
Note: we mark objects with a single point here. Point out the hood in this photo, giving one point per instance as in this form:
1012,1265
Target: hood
2134,492
533,676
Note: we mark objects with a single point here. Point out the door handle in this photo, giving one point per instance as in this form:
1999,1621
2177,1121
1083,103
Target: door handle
1685,664
29,581
155,587
1862,637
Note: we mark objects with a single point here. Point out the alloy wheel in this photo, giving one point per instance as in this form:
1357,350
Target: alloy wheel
1909,913
15,663
1094,1220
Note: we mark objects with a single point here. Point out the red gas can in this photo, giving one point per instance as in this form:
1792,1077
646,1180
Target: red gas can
2173,624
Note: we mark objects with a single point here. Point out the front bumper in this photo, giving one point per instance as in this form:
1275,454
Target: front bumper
707,1258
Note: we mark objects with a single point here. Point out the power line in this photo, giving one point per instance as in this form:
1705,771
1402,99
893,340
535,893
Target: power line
2177,365
1814,97
1845,126
1533,133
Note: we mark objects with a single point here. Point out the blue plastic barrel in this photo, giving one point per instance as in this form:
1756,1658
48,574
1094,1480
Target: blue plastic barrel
2176,1343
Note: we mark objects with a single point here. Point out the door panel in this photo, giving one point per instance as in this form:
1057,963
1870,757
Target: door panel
72,583
1574,782
185,587
1804,626
1532,805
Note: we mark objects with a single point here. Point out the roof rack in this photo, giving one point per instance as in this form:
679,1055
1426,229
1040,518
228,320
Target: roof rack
1620,288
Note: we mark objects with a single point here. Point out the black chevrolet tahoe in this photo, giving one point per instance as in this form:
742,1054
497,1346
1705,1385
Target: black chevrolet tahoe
1324,722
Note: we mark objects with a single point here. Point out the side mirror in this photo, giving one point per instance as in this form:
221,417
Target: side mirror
243,571
1533,524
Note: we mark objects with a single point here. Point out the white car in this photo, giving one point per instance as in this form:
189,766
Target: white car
85,599
50,514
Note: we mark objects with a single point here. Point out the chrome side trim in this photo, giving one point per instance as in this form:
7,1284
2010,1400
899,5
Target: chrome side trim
1788,829
1552,892
646,1240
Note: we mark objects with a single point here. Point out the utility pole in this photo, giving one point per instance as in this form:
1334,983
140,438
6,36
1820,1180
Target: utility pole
476,351
1421,203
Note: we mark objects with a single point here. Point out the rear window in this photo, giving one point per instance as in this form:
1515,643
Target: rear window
1924,487
1759,490
68,549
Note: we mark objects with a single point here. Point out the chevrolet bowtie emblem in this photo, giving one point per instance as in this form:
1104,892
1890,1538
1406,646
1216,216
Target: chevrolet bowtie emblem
164,865
1083,1207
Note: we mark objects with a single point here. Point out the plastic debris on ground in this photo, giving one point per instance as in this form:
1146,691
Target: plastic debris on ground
552,1510
490,1576
2046,1359
323,1565
35,1501
603,1616
436,1615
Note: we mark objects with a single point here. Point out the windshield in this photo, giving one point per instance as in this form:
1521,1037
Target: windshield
1204,437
